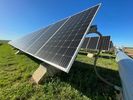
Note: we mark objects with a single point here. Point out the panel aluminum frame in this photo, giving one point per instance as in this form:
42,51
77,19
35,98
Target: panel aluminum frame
75,53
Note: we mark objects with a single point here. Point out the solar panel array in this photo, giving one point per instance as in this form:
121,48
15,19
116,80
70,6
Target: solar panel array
94,43
111,45
58,44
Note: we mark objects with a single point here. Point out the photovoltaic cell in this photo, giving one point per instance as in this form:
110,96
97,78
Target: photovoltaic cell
59,43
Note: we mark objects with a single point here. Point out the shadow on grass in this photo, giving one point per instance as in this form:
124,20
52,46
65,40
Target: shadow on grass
1,44
100,56
82,77
82,53
107,57
32,58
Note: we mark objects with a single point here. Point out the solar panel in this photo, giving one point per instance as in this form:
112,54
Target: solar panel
93,43
36,45
85,43
24,42
105,40
110,45
20,41
36,39
58,44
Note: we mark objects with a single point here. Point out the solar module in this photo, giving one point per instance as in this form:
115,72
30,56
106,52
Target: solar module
36,45
85,42
59,43
110,45
104,42
27,40
93,43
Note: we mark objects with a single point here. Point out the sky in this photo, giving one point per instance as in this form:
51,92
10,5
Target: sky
21,17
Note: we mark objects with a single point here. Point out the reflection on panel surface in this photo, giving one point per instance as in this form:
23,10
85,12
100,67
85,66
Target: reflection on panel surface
44,38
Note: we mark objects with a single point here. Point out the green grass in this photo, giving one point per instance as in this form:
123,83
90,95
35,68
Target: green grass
80,83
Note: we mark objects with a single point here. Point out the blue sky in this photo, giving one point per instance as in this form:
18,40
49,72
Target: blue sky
20,17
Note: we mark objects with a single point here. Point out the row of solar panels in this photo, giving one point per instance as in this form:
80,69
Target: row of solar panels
59,43
94,43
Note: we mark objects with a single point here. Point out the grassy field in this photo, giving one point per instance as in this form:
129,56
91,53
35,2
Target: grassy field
80,83
129,51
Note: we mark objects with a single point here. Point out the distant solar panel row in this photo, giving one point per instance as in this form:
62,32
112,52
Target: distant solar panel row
94,43
111,45
58,44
